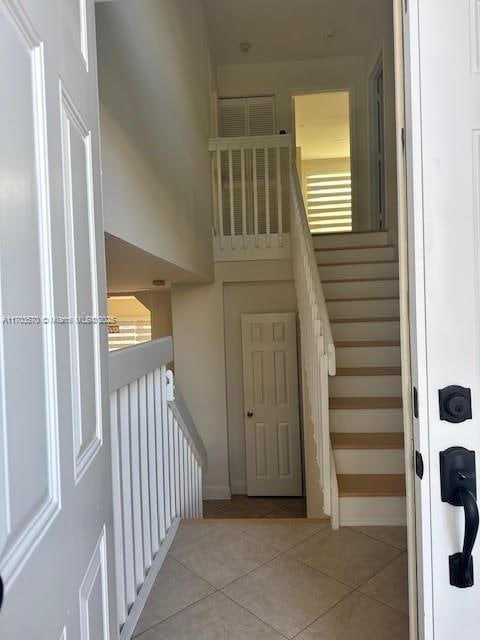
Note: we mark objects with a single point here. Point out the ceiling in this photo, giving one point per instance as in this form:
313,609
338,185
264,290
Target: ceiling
281,30
322,126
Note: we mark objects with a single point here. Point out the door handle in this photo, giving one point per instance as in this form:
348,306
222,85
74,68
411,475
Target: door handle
1,592
250,414
459,488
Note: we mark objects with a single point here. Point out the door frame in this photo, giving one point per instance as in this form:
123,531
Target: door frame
243,320
295,92
372,140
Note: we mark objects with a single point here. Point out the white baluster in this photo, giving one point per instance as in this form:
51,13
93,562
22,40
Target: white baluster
136,493
159,454
152,462
244,197
117,509
267,196
279,198
166,449
255,196
130,588
220,197
232,201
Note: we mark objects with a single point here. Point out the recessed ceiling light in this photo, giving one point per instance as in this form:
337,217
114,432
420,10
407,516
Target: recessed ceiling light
245,47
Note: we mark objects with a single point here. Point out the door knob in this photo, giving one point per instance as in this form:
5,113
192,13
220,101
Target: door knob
459,488
250,414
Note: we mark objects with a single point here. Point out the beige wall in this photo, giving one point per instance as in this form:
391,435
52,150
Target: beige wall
199,353
155,88
159,304
239,298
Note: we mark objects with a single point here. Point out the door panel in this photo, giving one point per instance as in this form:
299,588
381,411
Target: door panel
55,491
443,125
271,397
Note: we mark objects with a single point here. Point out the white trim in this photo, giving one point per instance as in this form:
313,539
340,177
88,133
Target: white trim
238,488
251,247
127,365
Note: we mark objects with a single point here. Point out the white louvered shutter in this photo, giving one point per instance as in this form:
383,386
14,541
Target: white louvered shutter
238,117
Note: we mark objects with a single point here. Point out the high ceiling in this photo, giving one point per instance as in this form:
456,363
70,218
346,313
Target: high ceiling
281,30
322,127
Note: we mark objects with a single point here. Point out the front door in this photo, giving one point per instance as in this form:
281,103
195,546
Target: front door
442,54
55,478
272,425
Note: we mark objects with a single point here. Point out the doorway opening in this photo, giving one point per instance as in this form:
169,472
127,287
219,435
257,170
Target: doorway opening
323,157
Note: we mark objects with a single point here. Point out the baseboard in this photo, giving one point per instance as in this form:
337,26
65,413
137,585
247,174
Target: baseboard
239,488
137,608
373,522
216,493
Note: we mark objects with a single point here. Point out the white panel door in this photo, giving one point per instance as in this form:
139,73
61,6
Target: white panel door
442,54
55,479
272,425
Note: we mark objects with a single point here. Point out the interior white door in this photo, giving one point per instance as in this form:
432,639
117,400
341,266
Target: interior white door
55,478
442,55
272,425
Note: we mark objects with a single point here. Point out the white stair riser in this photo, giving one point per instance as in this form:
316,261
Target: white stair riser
347,271
383,461
366,420
367,289
364,308
365,386
356,255
350,239
368,357
384,511
348,331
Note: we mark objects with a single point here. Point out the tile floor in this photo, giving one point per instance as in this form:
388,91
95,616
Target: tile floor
276,580
245,507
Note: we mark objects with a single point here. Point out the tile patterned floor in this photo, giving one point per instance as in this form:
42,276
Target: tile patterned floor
245,507
243,580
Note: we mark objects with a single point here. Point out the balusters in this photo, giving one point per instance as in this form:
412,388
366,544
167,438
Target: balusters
244,197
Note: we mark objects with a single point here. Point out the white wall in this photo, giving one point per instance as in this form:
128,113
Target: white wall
239,298
155,95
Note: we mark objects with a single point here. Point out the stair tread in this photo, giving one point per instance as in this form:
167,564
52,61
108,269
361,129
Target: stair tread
340,264
346,344
385,440
364,246
372,402
369,299
371,485
360,280
372,319
369,371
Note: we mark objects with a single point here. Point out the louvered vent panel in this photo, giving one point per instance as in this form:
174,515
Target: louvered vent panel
329,202
232,117
248,117
261,116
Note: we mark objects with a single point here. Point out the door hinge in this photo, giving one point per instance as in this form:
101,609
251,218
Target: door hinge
415,402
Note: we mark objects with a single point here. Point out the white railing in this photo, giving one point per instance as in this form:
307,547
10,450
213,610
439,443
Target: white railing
317,346
157,460
251,194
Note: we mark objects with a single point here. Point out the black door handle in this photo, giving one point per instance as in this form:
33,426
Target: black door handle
459,488
1,592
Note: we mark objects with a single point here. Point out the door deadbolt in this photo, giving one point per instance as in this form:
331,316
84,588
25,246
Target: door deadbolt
455,404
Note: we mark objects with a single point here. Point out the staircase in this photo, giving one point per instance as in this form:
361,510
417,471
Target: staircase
359,273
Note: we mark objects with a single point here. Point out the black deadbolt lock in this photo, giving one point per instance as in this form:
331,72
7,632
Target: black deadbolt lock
455,404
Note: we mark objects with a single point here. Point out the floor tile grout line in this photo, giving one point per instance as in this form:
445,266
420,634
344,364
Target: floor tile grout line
284,551
172,615
353,591
354,529
255,616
